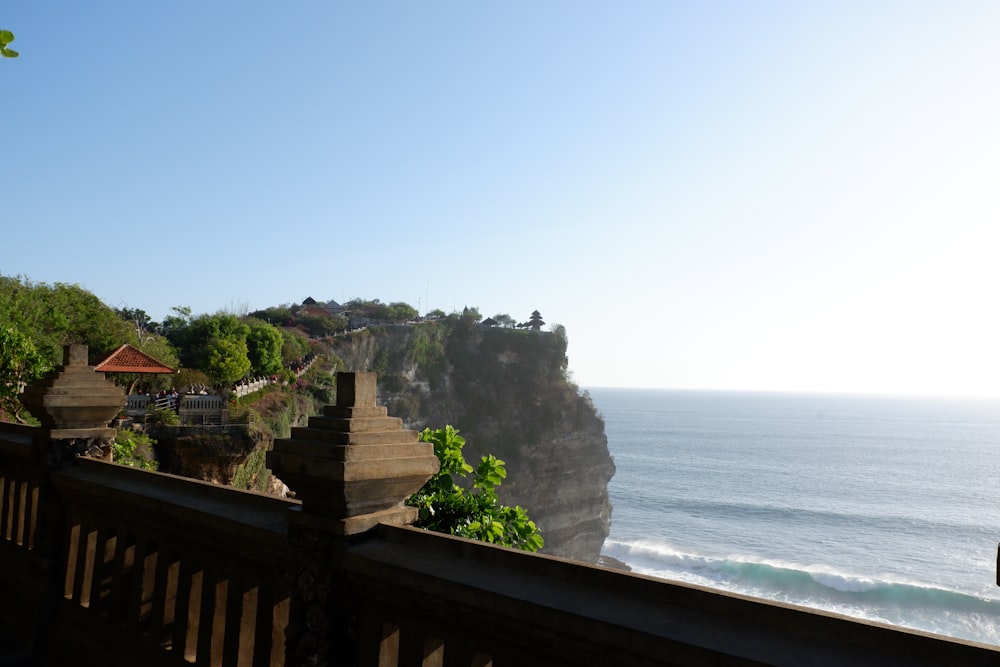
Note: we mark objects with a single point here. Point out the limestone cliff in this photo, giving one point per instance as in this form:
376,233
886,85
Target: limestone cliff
507,392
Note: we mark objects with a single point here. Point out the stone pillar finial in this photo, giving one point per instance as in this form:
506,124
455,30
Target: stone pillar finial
75,354
356,390
354,466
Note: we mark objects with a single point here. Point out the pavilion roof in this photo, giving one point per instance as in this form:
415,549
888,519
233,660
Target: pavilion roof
127,359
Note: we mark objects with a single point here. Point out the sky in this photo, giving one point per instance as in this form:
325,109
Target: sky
778,196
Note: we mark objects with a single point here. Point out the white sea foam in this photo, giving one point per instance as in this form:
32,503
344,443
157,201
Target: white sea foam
901,603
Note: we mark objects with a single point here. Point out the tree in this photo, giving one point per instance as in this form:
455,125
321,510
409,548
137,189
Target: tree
138,318
476,513
264,344
399,312
321,326
6,37
214,335
20,363
504,320
276,315
215,344
471,314
294,345
55,315
226,360
175,326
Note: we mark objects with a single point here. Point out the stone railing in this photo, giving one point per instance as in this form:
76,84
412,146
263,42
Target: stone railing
423,597
175,563
248,387
107,565
21,478
137,405
200,410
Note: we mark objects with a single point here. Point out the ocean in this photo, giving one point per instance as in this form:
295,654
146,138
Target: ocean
879,508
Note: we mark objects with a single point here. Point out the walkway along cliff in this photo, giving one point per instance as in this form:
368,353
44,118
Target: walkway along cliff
114,566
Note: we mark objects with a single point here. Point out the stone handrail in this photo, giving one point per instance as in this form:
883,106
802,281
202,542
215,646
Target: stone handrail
179,564
250,386
425,598
137,404
198,403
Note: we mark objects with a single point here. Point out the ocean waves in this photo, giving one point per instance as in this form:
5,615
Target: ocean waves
896,602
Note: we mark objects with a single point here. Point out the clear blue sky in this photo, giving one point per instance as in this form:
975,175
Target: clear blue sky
729,195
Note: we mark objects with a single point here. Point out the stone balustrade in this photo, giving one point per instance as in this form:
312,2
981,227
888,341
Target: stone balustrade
113,566
137,404
250,386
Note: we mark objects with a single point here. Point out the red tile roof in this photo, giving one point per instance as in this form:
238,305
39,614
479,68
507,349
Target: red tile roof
127,359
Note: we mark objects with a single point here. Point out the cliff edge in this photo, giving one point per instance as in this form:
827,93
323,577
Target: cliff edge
508,393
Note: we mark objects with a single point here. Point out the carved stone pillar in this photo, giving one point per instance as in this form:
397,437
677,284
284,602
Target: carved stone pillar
352,467
74,404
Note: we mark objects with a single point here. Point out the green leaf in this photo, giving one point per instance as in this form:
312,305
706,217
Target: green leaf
6,37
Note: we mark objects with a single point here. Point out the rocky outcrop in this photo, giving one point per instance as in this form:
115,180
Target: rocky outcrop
508,393
212,454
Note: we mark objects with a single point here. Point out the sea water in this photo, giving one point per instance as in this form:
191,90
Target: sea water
886,509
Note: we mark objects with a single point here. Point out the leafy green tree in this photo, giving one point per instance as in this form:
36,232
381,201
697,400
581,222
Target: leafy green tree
136,317
504,320
6,37
320,326
276,315
176,326
226,359
20,363
476,513
55,315
215,344
399,312
264,344
294,345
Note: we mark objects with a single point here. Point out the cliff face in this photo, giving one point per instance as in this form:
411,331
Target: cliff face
507,393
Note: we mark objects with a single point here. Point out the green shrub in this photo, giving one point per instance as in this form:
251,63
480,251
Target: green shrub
475,513
252,474
164,416
134,449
